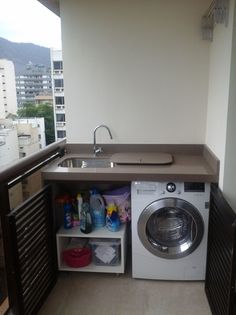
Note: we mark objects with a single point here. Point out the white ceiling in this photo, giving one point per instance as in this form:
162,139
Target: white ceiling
52,5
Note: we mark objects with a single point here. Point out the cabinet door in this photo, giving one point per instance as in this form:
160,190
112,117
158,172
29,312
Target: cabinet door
33,247
221,256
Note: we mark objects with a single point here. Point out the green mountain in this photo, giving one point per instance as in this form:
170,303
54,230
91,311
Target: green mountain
23,53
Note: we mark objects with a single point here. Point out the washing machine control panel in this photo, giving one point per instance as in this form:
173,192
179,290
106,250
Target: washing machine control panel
170,187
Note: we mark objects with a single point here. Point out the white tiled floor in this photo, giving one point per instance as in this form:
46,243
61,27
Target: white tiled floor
109,294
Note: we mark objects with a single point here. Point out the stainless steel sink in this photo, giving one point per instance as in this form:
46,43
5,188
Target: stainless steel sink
86,163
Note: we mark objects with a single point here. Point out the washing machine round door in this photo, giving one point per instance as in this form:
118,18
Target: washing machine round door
170,228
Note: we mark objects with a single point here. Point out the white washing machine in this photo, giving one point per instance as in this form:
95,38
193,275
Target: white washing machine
169,230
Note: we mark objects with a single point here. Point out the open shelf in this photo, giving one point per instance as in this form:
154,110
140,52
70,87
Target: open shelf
63,239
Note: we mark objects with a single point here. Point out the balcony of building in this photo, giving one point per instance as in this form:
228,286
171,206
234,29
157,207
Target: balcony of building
143,69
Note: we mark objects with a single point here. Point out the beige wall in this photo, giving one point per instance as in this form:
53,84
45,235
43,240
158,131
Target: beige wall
140,67
219,80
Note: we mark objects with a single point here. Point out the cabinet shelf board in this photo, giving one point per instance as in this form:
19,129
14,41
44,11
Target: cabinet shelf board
96,233
94,268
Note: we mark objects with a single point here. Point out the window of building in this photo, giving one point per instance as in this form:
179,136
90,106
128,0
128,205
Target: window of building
57,65
60,117
58,83
60,107
61,134
22,154
59,100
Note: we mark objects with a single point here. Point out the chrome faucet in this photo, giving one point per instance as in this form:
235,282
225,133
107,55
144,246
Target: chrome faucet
96,149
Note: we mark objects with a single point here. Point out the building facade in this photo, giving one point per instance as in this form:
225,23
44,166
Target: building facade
9,151
18,139
36,123
36,80
28,139
42,99
31,136
58,94
8,104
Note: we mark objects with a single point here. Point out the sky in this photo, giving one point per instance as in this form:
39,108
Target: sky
28,21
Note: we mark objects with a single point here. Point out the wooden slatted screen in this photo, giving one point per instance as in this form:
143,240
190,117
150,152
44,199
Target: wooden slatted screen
33,247
221,258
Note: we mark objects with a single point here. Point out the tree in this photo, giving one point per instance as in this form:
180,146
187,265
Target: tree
45,110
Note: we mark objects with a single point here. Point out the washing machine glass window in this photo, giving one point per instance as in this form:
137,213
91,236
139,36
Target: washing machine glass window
170,228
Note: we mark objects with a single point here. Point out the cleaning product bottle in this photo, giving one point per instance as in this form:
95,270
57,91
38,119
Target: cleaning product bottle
97,206
68,222
75,215
85,219
79,204
112,218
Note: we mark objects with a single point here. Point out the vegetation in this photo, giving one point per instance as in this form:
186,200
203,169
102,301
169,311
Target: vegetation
45,110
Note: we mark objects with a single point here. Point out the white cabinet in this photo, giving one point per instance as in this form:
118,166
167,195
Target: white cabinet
64,237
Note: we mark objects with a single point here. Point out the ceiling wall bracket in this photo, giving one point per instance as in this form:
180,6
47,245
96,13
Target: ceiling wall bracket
218,12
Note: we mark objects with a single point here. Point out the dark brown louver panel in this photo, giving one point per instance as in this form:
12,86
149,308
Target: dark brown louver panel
31,228
221,258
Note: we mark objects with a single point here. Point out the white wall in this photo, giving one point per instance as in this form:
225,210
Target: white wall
140,67
218,97
229,183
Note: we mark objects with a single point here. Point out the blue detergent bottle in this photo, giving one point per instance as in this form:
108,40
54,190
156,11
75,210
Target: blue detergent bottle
97,206
112,218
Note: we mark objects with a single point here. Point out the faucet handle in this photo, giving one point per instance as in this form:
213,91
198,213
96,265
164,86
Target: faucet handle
98,150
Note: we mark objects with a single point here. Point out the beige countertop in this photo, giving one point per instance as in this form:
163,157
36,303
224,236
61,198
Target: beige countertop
192,163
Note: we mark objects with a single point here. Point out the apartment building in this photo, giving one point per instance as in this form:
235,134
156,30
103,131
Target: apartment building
8,104
19,139
58,94
9,151
29,138
34,124
36,80
42,99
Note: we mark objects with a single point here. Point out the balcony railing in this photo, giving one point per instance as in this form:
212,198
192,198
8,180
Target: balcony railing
59,89
61,124
59,71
